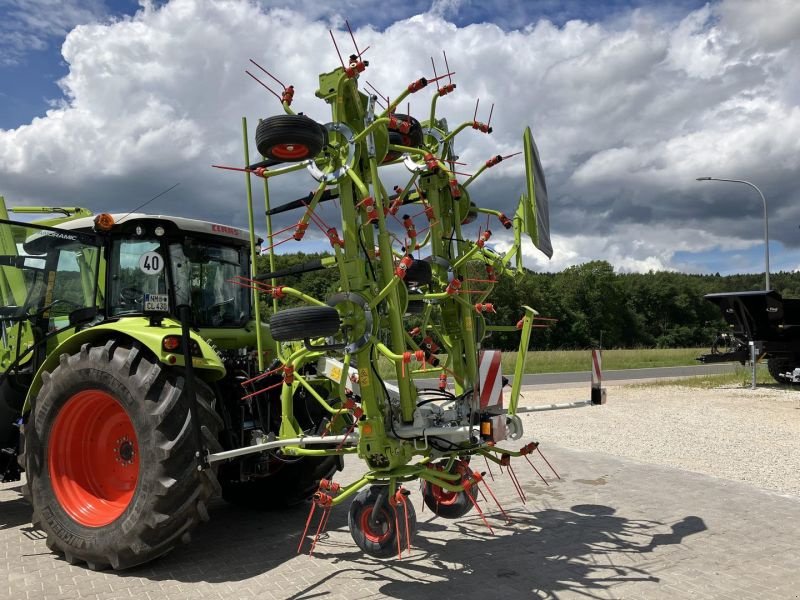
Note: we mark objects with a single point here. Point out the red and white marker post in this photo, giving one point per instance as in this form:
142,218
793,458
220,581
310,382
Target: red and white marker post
598,393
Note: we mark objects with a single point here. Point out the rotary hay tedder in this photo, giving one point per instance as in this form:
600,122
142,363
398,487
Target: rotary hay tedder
137,380
393,304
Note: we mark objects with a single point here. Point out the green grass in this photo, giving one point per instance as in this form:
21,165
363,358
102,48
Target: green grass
561,361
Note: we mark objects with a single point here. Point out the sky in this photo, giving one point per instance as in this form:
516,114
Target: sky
105,104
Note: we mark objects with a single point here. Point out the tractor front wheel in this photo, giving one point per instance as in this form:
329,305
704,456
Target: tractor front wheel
110,457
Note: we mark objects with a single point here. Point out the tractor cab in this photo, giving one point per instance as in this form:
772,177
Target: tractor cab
155,264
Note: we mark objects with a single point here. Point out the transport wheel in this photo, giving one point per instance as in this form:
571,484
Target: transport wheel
110,457
412,139
379,536
290,138
447,504
304,322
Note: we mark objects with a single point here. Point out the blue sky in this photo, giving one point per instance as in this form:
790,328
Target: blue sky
107,103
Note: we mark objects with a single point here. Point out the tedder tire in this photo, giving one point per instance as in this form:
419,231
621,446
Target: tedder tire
446,504
412,139
290,138
110,457
380,540
304,322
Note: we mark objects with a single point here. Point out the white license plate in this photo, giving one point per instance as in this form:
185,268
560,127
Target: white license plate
156,303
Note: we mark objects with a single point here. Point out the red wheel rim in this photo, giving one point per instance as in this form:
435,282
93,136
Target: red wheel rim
93,458
442,496
289,151
375,536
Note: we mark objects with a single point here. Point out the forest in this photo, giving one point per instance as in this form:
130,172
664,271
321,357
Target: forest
595,306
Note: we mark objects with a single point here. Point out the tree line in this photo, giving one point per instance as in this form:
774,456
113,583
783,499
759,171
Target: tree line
593,305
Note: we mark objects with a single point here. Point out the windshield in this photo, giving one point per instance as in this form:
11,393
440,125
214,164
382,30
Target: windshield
203,275
137,270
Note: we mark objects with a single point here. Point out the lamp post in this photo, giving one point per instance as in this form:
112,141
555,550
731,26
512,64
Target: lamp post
766,222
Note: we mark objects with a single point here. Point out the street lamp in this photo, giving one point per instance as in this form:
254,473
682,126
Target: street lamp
766,222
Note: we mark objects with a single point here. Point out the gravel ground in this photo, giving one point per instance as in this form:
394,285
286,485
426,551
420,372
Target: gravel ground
733,433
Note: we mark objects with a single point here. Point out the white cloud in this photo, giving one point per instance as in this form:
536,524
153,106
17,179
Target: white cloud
626,115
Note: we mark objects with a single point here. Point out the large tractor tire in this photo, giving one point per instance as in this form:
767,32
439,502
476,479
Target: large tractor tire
110,457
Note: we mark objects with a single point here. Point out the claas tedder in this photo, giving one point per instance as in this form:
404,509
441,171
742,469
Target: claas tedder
138,379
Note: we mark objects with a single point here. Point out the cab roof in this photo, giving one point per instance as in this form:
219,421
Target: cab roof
182,223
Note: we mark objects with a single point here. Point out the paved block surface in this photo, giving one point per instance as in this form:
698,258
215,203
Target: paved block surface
611,528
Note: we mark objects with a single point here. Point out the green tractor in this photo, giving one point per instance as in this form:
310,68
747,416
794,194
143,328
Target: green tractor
110,425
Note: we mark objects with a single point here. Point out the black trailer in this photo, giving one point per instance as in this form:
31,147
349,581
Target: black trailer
768,320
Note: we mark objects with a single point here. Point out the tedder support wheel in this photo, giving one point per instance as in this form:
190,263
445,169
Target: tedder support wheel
304,322
290,138
412,139
389,532
110,457
450,505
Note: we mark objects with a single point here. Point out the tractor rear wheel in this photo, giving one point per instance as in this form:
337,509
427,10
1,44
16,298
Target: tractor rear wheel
110,457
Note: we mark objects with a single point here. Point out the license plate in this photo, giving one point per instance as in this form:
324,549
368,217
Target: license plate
156,303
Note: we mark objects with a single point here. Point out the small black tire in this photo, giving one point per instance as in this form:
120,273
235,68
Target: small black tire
778,365
304,322
388,539
290,138
138,417
413,139
446,504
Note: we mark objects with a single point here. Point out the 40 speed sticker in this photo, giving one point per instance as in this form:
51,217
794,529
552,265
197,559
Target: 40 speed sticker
151,263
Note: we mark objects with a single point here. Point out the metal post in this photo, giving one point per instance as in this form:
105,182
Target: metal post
753,362
766,226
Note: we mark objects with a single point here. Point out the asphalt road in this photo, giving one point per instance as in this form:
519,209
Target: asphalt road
577,377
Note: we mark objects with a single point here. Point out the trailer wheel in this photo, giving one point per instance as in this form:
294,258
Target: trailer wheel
304,322
777,365
290,138
447,504
110,457
390,532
